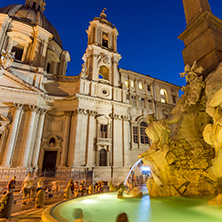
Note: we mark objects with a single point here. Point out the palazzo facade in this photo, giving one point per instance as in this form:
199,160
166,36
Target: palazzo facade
93,122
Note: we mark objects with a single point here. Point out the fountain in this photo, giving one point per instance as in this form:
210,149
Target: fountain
185,159
185,156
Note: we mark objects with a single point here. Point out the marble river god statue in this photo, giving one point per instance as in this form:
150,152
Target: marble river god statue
185,156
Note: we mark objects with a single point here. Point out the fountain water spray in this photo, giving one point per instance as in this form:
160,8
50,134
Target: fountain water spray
135,164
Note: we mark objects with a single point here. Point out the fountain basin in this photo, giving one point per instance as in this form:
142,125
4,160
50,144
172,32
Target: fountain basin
105,207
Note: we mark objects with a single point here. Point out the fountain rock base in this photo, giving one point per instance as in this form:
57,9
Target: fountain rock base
185,156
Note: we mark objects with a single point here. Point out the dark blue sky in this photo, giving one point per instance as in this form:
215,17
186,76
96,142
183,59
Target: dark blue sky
148,31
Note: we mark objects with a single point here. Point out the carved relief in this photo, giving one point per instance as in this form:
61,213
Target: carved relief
103,59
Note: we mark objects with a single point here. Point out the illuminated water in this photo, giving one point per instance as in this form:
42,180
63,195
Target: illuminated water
105,208
132,168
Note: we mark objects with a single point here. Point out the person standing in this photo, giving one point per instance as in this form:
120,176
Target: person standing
11,185
40,184
26,187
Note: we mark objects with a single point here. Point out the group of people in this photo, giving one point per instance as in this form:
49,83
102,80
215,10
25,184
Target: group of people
77,188
81,189
31,186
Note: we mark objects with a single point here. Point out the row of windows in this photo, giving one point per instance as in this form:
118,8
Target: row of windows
141,102
140,85
138,133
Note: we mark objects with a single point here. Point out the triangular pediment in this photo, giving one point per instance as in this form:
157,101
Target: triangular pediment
8,81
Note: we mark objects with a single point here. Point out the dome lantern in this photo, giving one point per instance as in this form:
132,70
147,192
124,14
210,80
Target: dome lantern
38,5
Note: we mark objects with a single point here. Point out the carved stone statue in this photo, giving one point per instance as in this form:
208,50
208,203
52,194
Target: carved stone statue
181,162
7,59
158,131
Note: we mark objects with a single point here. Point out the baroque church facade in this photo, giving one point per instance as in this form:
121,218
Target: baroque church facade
92,122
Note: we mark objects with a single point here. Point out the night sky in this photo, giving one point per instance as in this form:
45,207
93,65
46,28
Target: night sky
148,31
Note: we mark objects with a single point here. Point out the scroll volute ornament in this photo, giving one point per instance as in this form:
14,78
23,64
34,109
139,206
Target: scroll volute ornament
7,58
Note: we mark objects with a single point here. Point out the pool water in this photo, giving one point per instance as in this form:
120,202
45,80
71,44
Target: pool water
105,208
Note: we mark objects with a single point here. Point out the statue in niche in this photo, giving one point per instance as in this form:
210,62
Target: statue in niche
7,58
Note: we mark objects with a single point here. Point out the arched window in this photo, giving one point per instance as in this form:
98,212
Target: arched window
34,5
104,72
163,96
143,137
140,85
105,39
103,157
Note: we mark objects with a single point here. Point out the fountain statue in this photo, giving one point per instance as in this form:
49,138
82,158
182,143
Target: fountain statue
185,156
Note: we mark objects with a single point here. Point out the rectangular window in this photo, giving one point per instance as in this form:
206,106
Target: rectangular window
48,67
18,52
174,98
148,88
142,102
103,131
162,100
126,83
133,100
132,83
135,134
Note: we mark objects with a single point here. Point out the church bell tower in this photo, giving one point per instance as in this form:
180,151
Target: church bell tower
202,37
101,57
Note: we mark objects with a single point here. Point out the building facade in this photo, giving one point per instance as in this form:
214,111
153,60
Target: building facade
92,122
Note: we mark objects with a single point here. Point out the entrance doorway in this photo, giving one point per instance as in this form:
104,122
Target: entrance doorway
49,164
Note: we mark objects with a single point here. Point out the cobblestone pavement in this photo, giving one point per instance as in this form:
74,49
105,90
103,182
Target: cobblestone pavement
28,212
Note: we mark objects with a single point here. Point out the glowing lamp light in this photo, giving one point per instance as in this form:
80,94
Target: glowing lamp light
145,169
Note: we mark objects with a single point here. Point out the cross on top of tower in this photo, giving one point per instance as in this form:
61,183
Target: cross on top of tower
103,14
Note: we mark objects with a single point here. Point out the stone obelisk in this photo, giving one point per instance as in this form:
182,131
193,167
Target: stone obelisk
202,37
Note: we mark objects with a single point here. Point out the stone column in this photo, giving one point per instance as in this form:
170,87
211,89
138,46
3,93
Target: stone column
117,141
37,146
77,154
65,140
31,122
126,135
10,145
91,137
32,145
72,136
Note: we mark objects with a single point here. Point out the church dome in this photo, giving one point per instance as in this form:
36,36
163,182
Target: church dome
31,16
